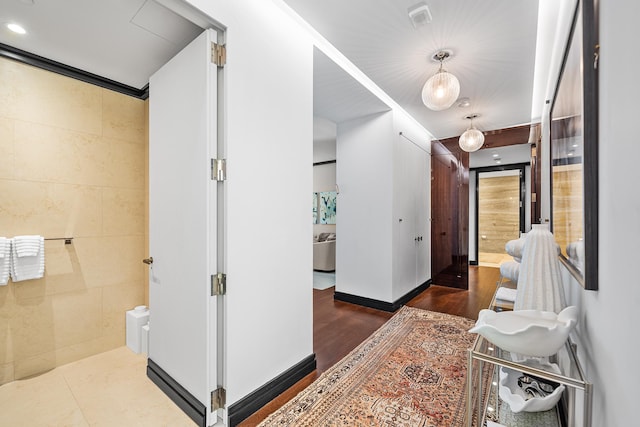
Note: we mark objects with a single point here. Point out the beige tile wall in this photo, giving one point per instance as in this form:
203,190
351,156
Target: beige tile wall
72,163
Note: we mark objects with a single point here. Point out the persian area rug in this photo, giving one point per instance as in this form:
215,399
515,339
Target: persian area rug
410,373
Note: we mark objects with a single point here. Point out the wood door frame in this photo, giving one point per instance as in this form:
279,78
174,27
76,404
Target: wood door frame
523,196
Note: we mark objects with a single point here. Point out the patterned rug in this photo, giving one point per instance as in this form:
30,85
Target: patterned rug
410,373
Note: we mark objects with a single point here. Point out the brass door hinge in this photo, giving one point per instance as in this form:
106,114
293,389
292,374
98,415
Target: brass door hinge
218,54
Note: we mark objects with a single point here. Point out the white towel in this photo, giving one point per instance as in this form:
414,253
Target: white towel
5,260
506,294
27,267
3,244
27,245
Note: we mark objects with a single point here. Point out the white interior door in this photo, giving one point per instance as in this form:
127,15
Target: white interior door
423,228
411,199
182,218
404,256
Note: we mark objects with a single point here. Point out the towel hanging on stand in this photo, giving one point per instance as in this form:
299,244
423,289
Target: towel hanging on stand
27,258
5,260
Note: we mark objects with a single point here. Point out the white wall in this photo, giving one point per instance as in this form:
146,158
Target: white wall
607,332
411,202
324,139
377,176
269,129
364,175
324,177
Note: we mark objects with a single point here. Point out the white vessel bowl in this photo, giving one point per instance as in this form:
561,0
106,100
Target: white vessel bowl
528,332
511,393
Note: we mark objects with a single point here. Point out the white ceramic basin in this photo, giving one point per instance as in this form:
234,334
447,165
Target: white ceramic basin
529,332
513,394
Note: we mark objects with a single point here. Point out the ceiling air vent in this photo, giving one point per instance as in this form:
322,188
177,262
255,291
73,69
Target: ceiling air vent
419,14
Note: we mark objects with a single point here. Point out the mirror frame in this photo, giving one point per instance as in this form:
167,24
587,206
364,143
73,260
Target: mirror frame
587,41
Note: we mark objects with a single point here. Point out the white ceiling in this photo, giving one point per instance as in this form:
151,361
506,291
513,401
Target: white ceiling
122,40
337,96
493,44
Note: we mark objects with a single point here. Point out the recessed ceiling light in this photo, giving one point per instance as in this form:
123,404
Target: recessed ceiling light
575,145
464,102
495,155
498,161
18,29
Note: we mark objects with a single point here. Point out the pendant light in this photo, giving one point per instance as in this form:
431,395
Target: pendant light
442,89
472,139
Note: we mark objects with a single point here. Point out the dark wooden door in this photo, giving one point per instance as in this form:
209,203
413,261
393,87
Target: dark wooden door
449,216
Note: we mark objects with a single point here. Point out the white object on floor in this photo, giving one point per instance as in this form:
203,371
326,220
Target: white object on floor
539,280
136,319
506,294
5,260
528,332
27,263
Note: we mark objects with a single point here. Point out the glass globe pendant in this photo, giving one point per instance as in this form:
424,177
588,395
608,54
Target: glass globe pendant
472,139
442,89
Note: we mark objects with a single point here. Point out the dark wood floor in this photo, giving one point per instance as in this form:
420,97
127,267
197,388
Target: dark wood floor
338,327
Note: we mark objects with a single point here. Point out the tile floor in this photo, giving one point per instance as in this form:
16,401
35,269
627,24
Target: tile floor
486,259
108,389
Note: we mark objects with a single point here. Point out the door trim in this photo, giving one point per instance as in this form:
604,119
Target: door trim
178,394
382,305
523,195
255,400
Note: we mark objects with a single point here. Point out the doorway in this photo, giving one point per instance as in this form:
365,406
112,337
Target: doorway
500,196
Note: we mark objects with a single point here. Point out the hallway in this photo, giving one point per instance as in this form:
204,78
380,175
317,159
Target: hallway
338,327
112,389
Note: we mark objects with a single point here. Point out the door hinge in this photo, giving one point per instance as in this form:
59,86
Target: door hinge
218,54
218,398
219,169
218,284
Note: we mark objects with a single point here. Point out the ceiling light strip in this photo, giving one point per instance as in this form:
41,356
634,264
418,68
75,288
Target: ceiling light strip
336,56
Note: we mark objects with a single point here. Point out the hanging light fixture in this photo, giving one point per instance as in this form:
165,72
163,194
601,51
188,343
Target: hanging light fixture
472,139
442,89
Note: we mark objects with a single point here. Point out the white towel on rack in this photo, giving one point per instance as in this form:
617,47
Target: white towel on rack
27,267
5,260
4,242
27,245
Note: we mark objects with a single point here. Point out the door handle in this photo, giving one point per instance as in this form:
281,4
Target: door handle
148,261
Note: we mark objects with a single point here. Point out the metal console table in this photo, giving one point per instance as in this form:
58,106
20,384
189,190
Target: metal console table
488,404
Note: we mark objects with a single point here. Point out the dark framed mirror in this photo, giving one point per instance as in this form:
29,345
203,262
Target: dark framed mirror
574,149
